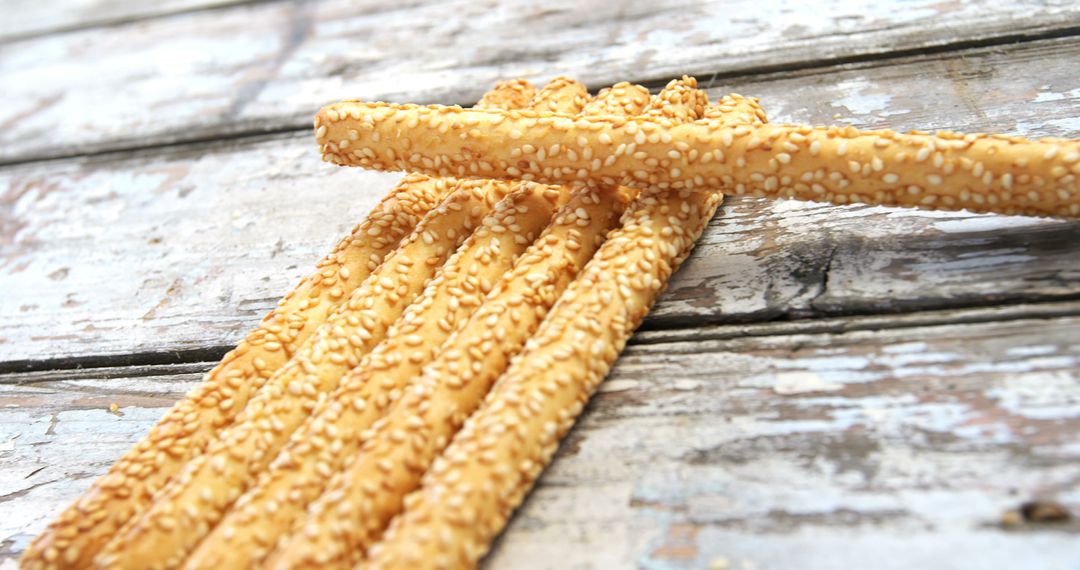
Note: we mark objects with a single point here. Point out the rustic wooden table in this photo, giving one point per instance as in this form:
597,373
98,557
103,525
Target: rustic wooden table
821,387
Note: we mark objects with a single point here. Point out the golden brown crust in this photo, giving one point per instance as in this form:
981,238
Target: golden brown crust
82,529
560,95
208,484
362,498
509,94
471,490
622,99
333,433
127,489
451,386
286,488
680,101
982,173
734,109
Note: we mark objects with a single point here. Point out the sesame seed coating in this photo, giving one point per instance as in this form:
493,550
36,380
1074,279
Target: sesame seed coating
128,488
560,95
362,498
981,173
455,381
680,101
621,99
470,492
509,94
208,484
734,109
333,432
83,528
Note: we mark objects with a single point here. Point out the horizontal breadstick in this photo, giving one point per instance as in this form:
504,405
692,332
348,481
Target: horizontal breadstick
469,493
512,437
982,173
188,506
82,529
362,498
333,433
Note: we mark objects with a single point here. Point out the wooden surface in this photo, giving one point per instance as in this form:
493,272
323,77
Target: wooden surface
821,387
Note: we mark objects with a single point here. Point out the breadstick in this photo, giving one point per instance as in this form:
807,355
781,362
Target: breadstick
560,95
734,109
319,447
196,499
606,304
469,493
510,94
679,101
362,498
283,491
83,528
982,173
621,99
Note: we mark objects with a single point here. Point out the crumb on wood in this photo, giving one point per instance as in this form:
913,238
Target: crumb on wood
1036,511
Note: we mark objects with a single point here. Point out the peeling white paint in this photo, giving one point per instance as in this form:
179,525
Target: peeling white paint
858,101
788,383
1052,96
989,223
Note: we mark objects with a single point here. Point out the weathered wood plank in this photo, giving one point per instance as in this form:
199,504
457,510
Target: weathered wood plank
887,449
186,247
269,66
872,449
27,18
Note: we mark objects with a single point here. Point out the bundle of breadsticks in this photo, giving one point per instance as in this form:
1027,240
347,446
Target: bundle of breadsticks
396,407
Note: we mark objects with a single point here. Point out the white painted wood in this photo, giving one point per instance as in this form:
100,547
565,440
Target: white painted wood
186,247
726,439
25,18
891,448
888,449
254,68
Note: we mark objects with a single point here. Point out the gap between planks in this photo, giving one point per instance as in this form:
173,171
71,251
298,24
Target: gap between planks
199,361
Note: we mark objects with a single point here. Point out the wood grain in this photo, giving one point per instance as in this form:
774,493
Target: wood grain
30,18
865,448
821,387
183,248
267,67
